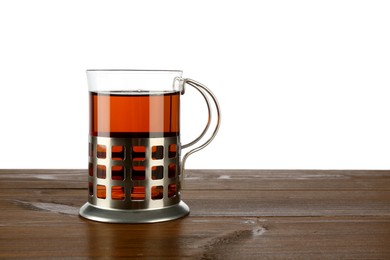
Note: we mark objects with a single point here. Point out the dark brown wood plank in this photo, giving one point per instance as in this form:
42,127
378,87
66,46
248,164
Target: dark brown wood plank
234,215
231,202
218,179
42,178
201,238
288,179
44,230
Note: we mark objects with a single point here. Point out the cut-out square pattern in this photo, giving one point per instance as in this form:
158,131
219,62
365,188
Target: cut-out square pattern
118,172
117,193
138,173
157,172
172,170
172,150
172,190
118,152
138,153
157,152
101,171
90,169
157,192
101,151
101,191
137,193
90,188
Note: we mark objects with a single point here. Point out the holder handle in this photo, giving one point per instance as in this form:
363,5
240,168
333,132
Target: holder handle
204,91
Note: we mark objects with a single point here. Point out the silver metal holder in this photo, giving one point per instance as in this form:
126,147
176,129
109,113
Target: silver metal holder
92,212
204,91
134,180
138,180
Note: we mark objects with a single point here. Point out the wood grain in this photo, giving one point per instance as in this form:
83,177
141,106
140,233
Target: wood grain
235,214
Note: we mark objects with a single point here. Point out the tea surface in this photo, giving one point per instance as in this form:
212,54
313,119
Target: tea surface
134,114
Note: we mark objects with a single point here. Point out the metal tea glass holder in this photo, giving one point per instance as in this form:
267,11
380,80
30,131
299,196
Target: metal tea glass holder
138,180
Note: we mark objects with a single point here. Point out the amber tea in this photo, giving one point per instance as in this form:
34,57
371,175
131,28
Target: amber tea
133,114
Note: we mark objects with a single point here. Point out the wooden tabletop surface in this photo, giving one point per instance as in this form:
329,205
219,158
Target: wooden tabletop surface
235,214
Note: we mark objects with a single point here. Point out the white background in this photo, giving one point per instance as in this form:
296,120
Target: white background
302,84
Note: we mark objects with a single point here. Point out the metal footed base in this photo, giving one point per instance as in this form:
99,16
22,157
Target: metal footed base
91,212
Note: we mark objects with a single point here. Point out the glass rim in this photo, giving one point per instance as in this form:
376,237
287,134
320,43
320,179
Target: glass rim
132,70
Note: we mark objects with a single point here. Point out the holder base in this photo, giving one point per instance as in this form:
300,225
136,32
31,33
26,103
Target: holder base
94,213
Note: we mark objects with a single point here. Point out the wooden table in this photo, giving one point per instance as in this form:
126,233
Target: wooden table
235,214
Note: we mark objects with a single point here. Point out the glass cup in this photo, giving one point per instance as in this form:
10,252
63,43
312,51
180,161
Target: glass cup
135,167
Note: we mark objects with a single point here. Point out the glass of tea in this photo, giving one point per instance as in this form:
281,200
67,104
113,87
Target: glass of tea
135,167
